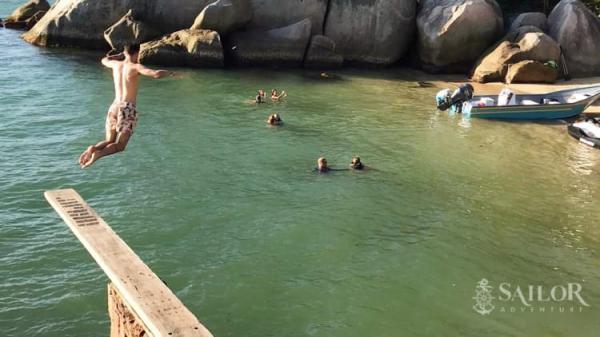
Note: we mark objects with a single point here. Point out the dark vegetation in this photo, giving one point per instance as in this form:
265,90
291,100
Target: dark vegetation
513,7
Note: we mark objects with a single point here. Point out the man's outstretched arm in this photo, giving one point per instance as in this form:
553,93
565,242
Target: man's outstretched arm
154,73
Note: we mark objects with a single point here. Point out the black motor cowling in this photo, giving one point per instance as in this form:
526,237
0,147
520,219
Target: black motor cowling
463,94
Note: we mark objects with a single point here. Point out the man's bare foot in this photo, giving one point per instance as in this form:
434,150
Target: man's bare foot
85,156
92,159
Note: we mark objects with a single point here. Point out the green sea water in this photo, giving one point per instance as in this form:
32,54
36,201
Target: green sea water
229,212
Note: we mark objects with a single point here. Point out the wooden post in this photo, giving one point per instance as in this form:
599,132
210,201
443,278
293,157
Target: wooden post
139,295
123,321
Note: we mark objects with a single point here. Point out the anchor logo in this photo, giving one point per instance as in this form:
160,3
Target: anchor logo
483,298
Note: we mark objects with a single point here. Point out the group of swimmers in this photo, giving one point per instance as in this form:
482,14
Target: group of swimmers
323,167
275,96
275,119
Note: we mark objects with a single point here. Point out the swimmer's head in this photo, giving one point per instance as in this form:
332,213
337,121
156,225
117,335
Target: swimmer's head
322,164
274,119
356,163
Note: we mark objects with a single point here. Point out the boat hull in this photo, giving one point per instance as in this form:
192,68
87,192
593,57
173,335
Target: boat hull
557,107
528,113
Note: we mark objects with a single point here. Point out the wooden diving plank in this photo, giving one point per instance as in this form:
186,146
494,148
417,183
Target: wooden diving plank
152,301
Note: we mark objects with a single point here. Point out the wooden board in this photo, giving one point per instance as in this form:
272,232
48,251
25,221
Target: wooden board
151,300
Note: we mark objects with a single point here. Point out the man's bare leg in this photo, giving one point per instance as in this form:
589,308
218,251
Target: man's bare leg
111,136
112,148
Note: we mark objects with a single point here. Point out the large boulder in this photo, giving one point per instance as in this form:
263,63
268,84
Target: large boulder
34,19
276,47
536,19
535,46
454,33
224,16
129,30
269,14
27,10
81,23
371,31
185,48
577,30
321,54
531,72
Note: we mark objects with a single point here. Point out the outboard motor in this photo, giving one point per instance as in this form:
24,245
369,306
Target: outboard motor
444,100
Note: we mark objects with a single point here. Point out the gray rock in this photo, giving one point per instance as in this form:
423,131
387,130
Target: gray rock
186,48
577,30
371,31
269,14
536,19
276,47
454,33
81,23
531,72
27,10
224,16
129,30
322,54
517,34
532,46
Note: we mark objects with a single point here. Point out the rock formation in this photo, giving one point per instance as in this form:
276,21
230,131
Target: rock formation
322,54
284,46
185,48
224,16
530,19
531,72
371,31
129,30
269,14
577,30
450,34
81,23
533,46
27,15
454,33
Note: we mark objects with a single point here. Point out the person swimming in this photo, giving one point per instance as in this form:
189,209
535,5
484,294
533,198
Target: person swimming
275,96
274,119
260,97
322,165
356,164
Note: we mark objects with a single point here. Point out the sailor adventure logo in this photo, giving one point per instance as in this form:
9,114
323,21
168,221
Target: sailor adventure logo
513,298
483,298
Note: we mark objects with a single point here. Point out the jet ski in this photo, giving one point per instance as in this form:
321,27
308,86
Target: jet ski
586,132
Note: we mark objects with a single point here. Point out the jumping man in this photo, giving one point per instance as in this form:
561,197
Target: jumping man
122,115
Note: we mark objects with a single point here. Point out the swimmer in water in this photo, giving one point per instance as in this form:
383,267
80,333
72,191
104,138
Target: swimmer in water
274,119
260,98
322,165
356,164
275,96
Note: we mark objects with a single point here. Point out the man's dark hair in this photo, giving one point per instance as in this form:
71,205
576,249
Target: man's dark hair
132,48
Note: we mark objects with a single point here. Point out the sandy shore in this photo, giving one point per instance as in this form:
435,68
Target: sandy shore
453,81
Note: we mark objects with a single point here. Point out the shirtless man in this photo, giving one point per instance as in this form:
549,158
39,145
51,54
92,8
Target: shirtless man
122,115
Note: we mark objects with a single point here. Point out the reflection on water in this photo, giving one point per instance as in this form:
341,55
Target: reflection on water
582,160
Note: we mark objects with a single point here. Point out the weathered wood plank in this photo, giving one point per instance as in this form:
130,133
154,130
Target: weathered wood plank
123,321
151,300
